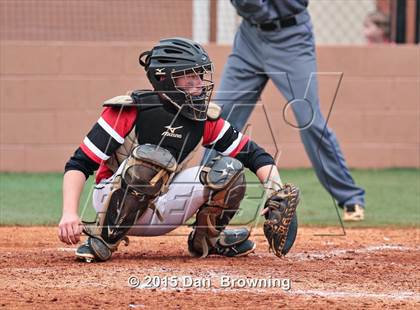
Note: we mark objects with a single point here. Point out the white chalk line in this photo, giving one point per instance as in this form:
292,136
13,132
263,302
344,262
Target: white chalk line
313,255
67,249
318,255
343,294
309,255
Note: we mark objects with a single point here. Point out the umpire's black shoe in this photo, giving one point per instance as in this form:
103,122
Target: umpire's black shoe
234,243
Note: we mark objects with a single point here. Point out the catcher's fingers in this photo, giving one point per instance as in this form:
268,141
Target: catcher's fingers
63,234
77,229
66,234
71,234
60,234
70,231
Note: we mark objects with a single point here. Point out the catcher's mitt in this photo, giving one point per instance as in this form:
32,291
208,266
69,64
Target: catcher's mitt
280,209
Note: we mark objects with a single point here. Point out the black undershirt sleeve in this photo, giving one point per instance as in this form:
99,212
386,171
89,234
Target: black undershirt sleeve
254,157
81,162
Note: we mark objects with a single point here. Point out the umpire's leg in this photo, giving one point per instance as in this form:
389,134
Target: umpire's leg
296,56
241,83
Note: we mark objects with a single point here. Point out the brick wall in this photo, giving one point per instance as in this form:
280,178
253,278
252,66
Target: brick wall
51,94
95,20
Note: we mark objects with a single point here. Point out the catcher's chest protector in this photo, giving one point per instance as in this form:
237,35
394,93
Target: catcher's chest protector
160,125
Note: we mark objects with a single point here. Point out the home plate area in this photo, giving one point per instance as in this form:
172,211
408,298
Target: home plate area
367,268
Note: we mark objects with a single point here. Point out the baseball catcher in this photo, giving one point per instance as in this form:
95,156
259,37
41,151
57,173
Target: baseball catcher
139,147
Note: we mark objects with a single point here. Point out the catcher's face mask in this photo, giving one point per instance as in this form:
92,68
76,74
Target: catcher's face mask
182,72
192,91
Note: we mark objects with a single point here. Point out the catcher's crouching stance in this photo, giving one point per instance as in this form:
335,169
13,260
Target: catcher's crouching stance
144,176
140,144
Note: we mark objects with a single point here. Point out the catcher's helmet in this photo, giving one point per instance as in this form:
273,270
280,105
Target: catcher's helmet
174,58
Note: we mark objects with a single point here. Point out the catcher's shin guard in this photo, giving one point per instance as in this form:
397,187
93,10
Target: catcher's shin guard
280,227
144,177
120,213
224,181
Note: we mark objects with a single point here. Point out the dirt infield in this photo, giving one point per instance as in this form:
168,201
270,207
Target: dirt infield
368,268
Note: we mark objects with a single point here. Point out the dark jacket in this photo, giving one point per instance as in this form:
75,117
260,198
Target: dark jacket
262,11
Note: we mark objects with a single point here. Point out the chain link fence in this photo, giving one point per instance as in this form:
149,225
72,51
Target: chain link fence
340,21
335,21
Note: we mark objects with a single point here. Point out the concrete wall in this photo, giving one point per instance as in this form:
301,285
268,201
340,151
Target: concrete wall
51,94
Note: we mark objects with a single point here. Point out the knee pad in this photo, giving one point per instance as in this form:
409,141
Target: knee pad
224,179
148,170
145,175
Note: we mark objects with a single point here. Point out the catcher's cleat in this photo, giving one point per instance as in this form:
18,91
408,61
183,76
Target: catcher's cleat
237,250
85,253
353,213
229,237
230,243
234,243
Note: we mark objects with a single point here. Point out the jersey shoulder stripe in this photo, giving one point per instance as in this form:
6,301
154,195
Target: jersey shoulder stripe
90,154
110,130
212,130
108,134
103,140
225,139
121,120
224,129
240,146
233,145
95,150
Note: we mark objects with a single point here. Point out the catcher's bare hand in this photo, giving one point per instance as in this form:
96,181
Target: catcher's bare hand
70,228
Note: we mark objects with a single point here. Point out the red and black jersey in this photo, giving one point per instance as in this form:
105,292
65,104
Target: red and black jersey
161,124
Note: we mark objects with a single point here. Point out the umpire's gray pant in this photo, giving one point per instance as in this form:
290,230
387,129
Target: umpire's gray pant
287,57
